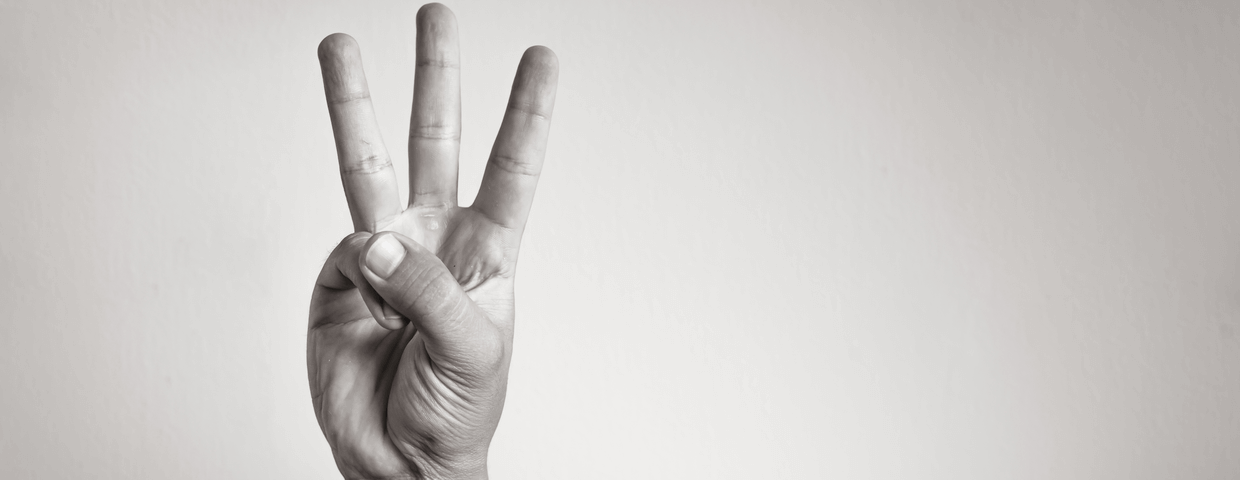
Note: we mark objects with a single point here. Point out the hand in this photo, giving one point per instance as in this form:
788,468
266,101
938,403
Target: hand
411,318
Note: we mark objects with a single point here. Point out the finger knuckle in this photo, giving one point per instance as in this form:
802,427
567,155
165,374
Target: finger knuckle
515,165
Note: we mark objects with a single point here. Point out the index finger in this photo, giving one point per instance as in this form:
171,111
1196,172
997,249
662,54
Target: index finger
365,167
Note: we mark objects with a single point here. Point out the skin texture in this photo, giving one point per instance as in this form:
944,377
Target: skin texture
411,319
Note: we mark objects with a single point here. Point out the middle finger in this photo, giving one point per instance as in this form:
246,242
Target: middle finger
435,125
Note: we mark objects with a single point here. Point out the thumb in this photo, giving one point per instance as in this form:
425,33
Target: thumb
415,283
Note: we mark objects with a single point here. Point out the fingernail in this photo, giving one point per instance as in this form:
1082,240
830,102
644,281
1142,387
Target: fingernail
385,255
391,314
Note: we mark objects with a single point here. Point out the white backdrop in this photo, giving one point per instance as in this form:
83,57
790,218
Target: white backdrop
845,239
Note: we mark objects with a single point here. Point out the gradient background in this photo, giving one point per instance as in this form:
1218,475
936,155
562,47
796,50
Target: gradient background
848,239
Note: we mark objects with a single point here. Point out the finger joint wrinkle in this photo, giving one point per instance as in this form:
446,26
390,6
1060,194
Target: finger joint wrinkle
366,165
344,98
432,293
435,132
513,165
529,109
437,63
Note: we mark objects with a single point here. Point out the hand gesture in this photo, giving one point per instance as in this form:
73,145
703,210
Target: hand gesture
411,319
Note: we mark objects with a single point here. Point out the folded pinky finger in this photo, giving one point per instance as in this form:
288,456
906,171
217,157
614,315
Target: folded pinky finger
341,273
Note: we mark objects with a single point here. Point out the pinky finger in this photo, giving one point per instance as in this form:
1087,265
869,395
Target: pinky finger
341,272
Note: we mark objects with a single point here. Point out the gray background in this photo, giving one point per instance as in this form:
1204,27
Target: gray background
847,239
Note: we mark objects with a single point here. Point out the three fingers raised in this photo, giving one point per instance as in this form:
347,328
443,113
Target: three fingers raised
513,168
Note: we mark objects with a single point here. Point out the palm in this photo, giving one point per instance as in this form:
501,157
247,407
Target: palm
392,401
363,374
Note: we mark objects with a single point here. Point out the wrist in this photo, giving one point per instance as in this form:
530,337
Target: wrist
470,475
458,470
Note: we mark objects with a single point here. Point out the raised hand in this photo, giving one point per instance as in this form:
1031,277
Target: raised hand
411,318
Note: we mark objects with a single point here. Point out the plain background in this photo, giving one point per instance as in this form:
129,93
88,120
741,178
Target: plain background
837,239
